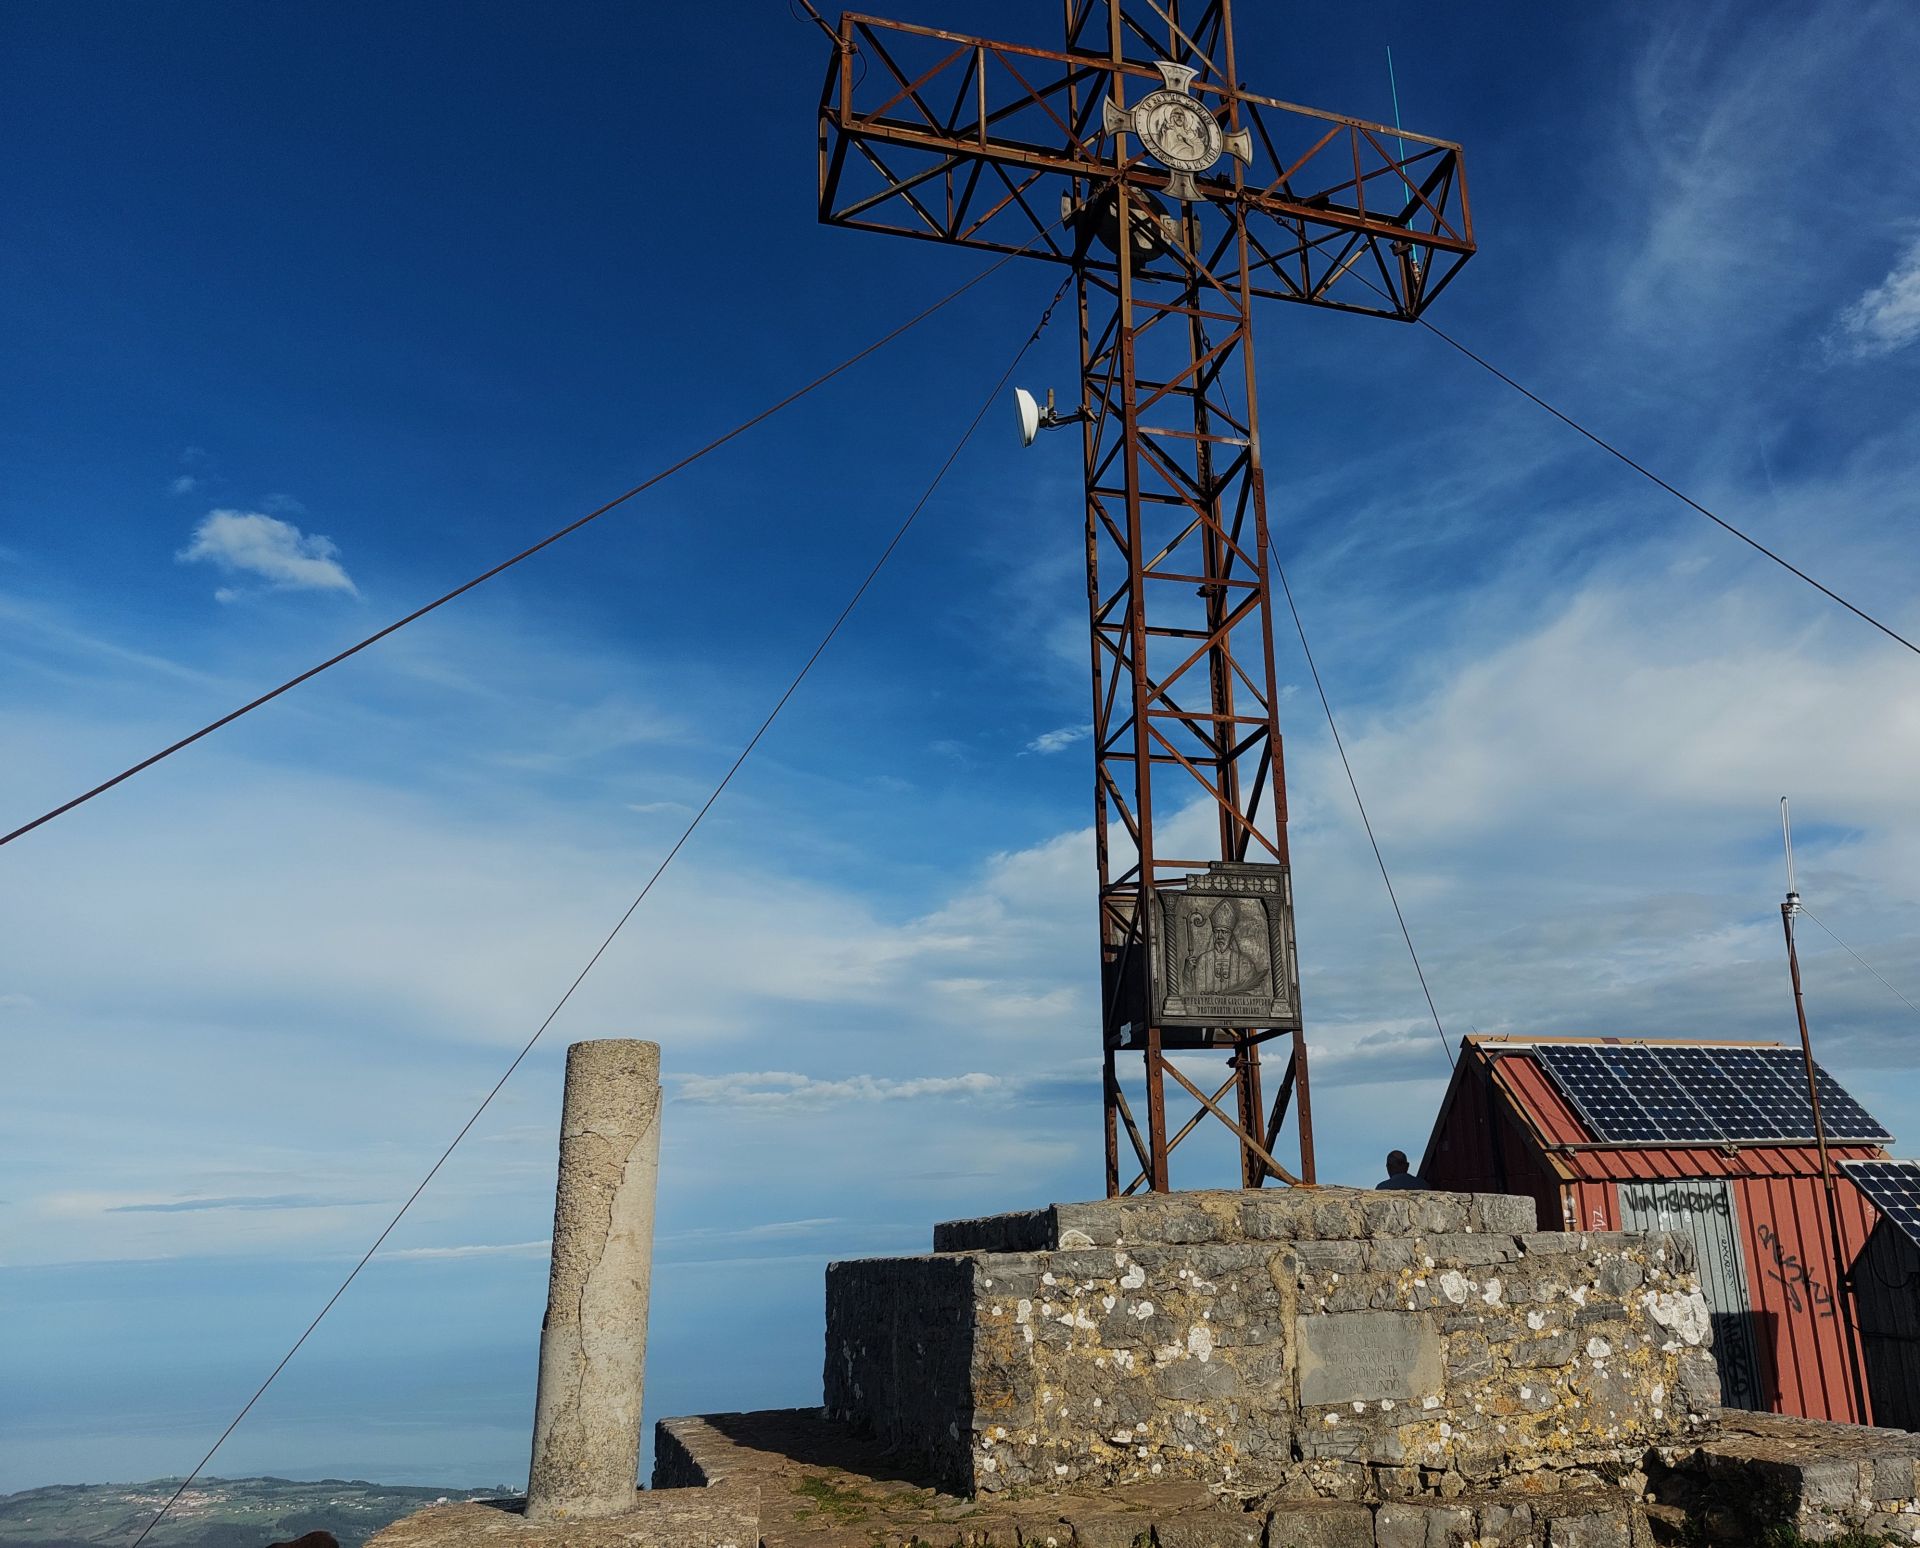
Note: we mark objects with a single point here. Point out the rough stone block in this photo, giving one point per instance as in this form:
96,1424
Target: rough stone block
1830,1485
1473,1248
1022,1231
1450,1526
1321,1524
1506,1522
1896,1478
1209,1529
1505,1212
1110,1528
1603,1528
1400,1524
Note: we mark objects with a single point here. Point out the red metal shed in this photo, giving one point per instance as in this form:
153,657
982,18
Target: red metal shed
1756,1212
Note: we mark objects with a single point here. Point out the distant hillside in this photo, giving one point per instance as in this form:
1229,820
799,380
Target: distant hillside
214,1513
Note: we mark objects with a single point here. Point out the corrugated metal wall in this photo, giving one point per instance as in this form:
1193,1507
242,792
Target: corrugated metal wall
1479,1146
1701,1209
1797,1317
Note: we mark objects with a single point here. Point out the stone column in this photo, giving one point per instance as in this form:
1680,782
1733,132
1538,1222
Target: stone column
593,1344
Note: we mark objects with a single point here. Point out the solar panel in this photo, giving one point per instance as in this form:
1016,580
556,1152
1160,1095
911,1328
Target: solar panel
1597,1093
1716,1093
1666,1102
1701,1094
1894,1188
1785,1112
1845,1119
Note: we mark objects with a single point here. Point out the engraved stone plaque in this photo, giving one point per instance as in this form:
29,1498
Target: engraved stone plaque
1348,1357
1225,953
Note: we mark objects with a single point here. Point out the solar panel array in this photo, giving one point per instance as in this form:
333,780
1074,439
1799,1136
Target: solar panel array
1894,1188
1701,1094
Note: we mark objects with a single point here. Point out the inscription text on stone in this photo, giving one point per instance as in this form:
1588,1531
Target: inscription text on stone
1350,1357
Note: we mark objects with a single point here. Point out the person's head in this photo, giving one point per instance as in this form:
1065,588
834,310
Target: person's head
1396,1162
1222,920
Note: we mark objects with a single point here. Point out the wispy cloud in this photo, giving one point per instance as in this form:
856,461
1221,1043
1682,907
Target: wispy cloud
768,1230
233,1201
473,1250
255,544
1058,740
186,483
1887,317
785,1089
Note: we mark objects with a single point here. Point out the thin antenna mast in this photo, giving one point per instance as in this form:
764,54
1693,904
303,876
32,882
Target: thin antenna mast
1393,86
1842,1271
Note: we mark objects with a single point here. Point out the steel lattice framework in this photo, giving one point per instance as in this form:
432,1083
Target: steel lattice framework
936,135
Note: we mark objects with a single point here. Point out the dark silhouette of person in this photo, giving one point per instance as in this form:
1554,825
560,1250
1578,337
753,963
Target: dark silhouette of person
1397,1174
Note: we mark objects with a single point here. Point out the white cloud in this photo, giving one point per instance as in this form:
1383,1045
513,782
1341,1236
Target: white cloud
786,1089
253,543
1887,317
186,483
1720,114
1059,740
537,1249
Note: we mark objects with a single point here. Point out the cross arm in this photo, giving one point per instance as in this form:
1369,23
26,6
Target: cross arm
951,138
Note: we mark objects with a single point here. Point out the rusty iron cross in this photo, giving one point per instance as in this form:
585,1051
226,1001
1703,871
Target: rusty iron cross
1134,154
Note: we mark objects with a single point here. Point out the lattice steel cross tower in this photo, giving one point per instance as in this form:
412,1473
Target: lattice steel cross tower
1133,155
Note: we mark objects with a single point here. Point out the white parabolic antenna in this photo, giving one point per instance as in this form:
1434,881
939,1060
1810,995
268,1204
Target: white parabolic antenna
1029,412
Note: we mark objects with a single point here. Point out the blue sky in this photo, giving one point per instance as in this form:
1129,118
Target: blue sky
310,313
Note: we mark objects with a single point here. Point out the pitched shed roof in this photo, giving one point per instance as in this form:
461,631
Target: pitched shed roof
1577,1153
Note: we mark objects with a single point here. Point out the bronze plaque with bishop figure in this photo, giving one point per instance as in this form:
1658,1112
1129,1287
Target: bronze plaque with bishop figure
1225,954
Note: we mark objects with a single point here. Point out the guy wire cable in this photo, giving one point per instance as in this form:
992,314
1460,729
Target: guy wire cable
1860,959
1647,473
1379,859
686,833
527,553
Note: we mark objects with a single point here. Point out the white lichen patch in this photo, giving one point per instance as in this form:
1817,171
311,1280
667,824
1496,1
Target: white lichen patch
1598,1349
1134,1278
1454,1286
1200,1342
1682,1313
1536,1320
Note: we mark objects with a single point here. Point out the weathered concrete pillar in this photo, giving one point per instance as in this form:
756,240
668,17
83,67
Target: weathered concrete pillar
593,1344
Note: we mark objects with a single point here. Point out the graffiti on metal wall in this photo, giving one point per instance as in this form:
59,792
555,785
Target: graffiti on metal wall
1803,1290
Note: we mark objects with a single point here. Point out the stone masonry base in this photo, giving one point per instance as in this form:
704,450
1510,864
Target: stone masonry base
1333,1342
